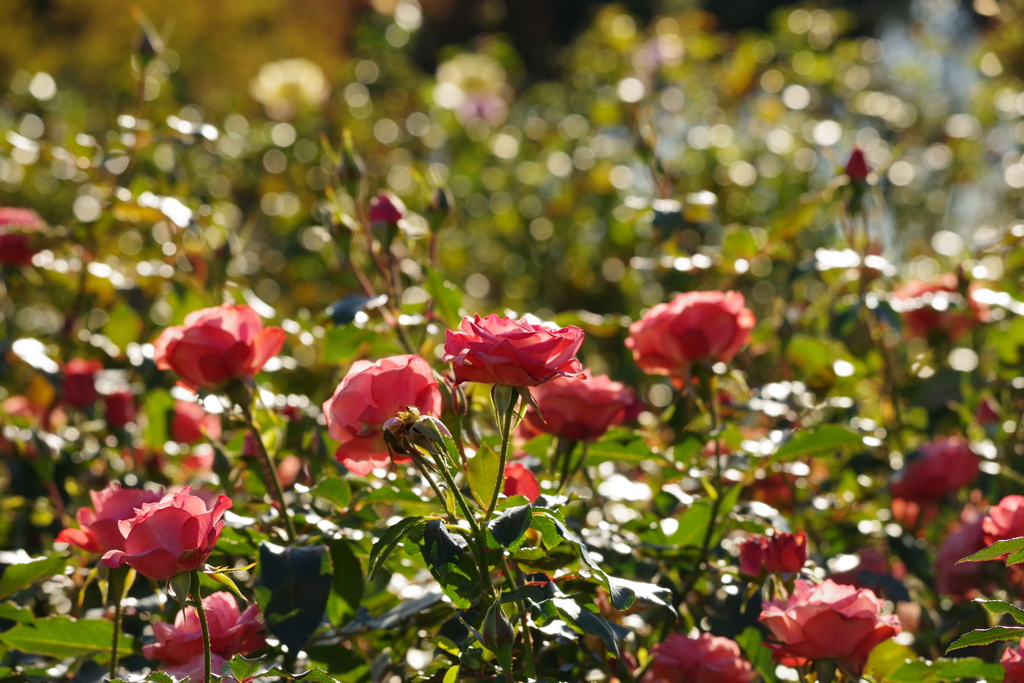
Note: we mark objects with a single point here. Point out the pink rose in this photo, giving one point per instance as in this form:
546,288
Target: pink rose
578,409
694,326
1013,663
1005,520
171,536
924,315
231,632
217,344
516,353
99,525
195,668
951,578
944,466
370,395
828,621
80,381
191,423
16,235
704,659
520,481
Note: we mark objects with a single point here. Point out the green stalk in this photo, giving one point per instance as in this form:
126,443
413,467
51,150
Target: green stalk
198,602
528,655
117,577
506,437
269,472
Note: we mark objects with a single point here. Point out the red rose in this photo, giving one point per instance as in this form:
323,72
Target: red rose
516,353
987,411
191,423
704,659
828,621
370,395
217,344
231,632
171,536
954,579
785,553
578,409
385,208
1013,664
80,381
99,525
694,326
16,235
938,307
1005,520
120,408
944,466
752,555
520,481
857,166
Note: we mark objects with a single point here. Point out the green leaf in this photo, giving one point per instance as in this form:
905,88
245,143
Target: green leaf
996,550
242,667
347,589
334,490
1015,558
758,654
986,636
63,637
292,590
228,582
693,525
510,526
919,671
123,326
482,473
633,451
1000,607
18,576
386,543
452,675
813,441
624,593
156,405
313,675
342,343
590,622
12,612
447,297
440,549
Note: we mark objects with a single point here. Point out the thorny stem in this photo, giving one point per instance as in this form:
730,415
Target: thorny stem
269,473
198,602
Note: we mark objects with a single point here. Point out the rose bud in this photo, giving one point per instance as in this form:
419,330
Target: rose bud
582,410
944,466
520,481
752,555
498,632
987,411
99,530
827,622
17,228
952,577
370,395
695,326
786,553
515,353
171,536
706,658
120,408
216,345
80,382
191,423
231,632
857,166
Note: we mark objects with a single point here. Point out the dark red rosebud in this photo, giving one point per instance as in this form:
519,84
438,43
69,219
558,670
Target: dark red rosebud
80,381
857,167
786,553
120,408
385,208
752,553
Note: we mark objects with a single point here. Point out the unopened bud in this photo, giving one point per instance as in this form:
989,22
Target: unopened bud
350,169
498,632
857,166
439,208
